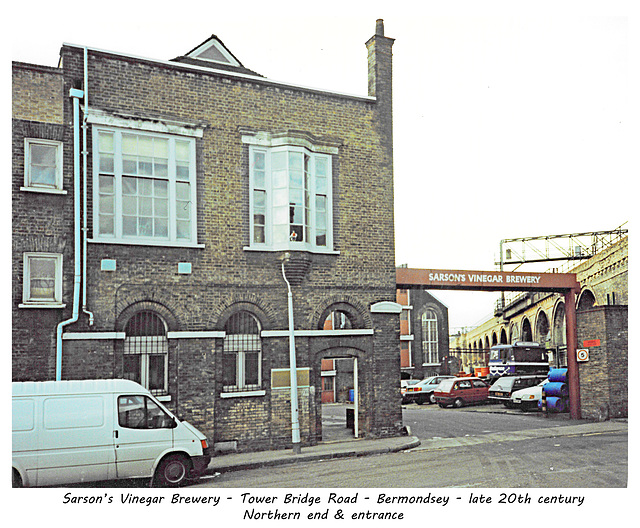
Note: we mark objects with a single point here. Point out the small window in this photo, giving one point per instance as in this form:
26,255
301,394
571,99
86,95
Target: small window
42,279
43,165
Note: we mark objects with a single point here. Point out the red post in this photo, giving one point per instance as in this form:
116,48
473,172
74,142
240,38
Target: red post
573,374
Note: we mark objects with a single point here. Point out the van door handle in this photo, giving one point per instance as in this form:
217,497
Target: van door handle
115,433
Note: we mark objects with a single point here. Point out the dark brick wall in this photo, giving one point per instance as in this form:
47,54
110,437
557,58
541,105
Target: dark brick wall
604,378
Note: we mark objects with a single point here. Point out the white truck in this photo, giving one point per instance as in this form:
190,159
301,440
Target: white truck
68,432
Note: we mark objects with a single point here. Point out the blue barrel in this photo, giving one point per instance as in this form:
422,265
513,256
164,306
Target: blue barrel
351,395
556,388
559,375
555,404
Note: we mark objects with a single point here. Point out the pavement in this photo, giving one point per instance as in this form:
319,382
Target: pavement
355,447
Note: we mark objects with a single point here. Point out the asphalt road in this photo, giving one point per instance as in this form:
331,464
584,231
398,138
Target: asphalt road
582,461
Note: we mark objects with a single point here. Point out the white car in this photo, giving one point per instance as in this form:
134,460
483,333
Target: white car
528,398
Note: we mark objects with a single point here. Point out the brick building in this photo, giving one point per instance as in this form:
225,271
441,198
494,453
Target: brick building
424,333
159,206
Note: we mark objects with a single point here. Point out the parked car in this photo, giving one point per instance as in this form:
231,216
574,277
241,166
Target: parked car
502,389
404,385
528,398
422,392
461,391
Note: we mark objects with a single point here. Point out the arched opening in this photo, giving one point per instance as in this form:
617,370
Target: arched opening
560,336
503,337
587,300
146,352
242,353
542,329
527,334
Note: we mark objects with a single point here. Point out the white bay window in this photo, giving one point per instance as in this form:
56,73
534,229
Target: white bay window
290,200
144,187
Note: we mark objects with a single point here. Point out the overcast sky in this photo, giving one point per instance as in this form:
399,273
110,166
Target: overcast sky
507,123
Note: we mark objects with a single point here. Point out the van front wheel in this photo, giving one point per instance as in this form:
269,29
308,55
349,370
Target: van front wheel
173,471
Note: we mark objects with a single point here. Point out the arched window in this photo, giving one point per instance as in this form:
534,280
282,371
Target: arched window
430,337
146,352
242,358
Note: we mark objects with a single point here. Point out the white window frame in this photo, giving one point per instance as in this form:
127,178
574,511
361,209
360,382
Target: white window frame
160,343
306,245
429,348
56,188
27,299
118,237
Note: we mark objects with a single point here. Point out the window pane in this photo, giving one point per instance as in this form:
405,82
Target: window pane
161,207
43,155
161,188
106,163
106,225
129,226
129,144
105,142
183,191
161,227
130,205
131,367
129,186
258,235
251,368
106,204
182,151
259,199
229,367
106,184
43,176
146,206
183,228
156,371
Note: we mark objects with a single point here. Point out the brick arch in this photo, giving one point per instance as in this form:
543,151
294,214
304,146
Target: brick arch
154,299
357,314
244,302
165,313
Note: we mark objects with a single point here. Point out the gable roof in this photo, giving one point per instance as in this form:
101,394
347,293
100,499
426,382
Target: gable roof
212,53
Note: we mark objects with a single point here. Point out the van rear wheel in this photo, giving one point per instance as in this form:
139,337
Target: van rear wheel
16,480
173,471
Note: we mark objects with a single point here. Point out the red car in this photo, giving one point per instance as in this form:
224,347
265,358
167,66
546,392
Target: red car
461,391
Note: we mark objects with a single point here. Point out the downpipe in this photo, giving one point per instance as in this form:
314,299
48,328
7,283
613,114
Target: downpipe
293,371
76,95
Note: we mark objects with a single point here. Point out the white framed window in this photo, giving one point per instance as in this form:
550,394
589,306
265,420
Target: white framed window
144,187
290,199
146,352
42,165
242,355
42,280
429,337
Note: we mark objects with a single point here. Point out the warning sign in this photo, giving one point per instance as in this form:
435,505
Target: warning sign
591,343
582,354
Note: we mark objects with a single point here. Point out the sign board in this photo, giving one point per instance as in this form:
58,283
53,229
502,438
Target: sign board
591,343
582,354
484,280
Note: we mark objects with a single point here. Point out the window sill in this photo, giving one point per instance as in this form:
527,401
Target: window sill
152,243
41,305
243,394
43,190
271,249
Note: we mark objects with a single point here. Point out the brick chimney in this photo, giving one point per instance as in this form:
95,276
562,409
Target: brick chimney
380,86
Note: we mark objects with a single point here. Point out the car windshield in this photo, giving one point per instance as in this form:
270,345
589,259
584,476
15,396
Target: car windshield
503,384
425,381
446,385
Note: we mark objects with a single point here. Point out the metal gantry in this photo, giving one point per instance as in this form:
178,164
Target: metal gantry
572,246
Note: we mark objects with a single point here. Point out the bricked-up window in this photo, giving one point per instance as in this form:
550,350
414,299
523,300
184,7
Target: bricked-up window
430,337
144,187
242,356
290,199
42,281
43,164
146,352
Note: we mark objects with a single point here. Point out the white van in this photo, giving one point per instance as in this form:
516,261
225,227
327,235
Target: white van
83,431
